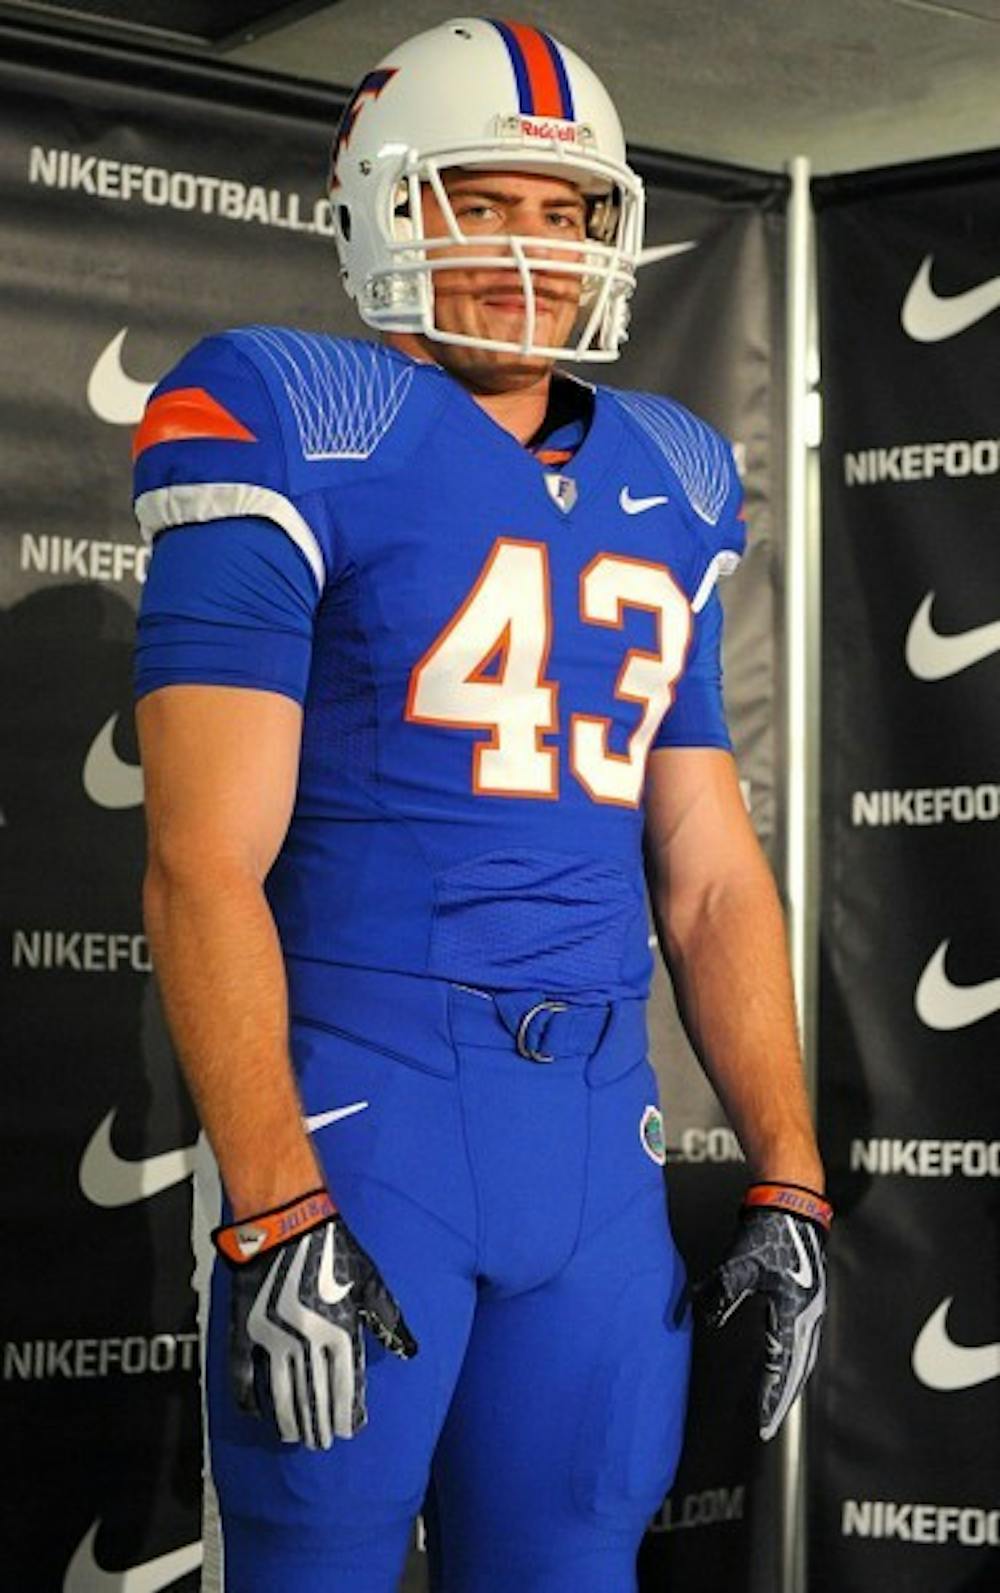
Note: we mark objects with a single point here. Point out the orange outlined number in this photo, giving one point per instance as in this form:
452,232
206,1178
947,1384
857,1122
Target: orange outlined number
505,622
486,671
610,584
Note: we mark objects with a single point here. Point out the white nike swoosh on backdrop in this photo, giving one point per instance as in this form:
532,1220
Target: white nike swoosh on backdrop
931,656
929,318
942,1364
638,505
113,395
107,1179
943,1005
84,1575
665,251
320,1119
107,779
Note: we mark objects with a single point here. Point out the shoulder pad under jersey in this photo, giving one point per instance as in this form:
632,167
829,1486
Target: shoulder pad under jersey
258,422
701,463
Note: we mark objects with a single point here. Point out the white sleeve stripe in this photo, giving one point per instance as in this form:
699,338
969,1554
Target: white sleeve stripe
724,563
199,502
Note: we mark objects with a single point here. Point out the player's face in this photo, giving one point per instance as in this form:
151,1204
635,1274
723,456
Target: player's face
490,303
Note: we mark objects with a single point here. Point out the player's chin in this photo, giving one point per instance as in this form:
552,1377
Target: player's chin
502,370
552,330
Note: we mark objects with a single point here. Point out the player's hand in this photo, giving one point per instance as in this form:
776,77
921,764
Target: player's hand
779,1253
302,1292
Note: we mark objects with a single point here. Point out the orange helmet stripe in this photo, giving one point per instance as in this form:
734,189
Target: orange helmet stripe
546,95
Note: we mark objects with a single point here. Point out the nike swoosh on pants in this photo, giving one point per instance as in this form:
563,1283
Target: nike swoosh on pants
941,1364
321,1119
931,656
929,318
84,1575
943,1005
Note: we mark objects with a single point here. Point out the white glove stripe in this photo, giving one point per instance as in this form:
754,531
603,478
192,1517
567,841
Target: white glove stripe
343,1386
300,1328
807,1326
300,1346
265,1333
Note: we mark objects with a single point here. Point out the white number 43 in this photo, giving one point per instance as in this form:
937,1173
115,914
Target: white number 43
486,670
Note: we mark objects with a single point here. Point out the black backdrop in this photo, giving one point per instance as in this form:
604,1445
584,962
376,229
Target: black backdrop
906,1452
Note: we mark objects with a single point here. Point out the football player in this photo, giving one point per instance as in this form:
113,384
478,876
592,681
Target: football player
429,672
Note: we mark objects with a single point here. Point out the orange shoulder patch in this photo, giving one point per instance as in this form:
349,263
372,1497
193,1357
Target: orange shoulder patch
187,412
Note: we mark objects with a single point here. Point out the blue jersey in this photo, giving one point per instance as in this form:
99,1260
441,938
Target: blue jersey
493,646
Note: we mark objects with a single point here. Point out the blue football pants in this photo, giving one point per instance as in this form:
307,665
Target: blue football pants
516,1209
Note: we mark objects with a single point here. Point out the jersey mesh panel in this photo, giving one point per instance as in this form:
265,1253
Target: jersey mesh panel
343,716
523,916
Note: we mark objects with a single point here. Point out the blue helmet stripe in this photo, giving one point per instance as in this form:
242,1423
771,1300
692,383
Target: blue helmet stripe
566,93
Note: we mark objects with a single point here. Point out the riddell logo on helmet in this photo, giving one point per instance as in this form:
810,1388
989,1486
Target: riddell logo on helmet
558,132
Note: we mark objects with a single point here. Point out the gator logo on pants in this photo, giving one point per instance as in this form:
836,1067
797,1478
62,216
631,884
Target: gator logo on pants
651,1135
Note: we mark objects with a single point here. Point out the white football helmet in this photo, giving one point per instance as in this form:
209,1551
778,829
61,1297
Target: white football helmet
496,96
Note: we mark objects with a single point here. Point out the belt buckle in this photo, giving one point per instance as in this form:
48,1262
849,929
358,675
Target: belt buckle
521,1038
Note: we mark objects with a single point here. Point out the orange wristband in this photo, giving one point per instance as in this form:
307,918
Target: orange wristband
241,1241
795,1198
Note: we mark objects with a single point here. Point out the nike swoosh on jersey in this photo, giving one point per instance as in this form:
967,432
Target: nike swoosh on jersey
929,318
113,395
321,1119
931,656
943,1005
107,1179
107,779
942,1364
638,505
85,1575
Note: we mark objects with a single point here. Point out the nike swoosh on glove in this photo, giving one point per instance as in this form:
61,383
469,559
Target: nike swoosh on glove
303,1289
779,1252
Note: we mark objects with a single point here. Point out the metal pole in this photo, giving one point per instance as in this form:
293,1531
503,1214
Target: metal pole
802,700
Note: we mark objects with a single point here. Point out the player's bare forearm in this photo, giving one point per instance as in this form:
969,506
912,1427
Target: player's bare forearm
217,959
220,768
722,932
730,972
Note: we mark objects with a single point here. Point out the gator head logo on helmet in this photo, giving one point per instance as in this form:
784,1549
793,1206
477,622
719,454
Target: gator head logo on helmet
369,88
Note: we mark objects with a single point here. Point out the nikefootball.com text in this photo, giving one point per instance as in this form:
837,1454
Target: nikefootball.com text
103,177
132,1355
922,461
926,804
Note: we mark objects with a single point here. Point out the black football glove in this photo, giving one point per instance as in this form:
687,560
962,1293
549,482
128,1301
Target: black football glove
302,1290
779,1253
